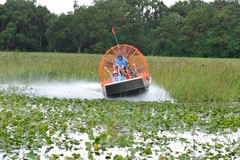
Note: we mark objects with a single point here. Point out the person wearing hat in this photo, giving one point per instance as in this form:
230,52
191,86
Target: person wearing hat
121,61
114,75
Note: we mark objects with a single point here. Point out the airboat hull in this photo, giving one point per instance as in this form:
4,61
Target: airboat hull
126,88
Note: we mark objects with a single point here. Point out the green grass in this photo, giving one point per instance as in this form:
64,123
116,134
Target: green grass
186,79
30,67
197,79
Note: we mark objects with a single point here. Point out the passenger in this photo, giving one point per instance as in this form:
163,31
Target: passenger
114,75
134,71
127,73
123,73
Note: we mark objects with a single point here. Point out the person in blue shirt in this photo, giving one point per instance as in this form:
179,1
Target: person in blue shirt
122,64
121,61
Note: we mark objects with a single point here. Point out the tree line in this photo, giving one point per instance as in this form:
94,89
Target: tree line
190,28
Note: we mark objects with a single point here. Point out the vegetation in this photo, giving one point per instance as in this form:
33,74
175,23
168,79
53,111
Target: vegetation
186,79
89,129
37,67
204,122
197,79
190,28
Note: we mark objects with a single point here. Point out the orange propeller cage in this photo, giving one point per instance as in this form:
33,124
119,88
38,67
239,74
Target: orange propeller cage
132,54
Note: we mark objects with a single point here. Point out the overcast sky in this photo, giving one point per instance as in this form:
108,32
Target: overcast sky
63,6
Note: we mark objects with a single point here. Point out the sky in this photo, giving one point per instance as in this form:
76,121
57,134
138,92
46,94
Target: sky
64,6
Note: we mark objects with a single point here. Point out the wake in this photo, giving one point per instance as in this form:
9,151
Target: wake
81,90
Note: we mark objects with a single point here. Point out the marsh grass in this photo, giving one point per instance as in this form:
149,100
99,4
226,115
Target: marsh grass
31,67
186,79
197,79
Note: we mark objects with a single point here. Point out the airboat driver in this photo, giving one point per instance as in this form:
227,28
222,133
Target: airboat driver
121,61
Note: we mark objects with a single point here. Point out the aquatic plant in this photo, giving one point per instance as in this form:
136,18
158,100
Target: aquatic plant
52,128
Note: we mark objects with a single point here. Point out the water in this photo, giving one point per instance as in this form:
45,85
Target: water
81,90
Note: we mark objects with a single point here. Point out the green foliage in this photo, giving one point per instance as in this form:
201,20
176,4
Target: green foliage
192,28
32,123
23,26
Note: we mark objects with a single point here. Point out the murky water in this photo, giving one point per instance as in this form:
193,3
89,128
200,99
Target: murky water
81,90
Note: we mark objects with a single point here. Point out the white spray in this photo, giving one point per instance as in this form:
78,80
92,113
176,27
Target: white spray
81,90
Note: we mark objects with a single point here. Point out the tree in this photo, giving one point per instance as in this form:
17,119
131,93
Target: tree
195,29
167,35
24,18
114,13
223,38
79,27
42,17
188,28
59,34
7,36
181,7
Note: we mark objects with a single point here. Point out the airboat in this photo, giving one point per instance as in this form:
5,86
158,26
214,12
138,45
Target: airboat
128,87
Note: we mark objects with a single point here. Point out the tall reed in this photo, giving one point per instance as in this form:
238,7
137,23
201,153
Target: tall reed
197,79
29,67
186,79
